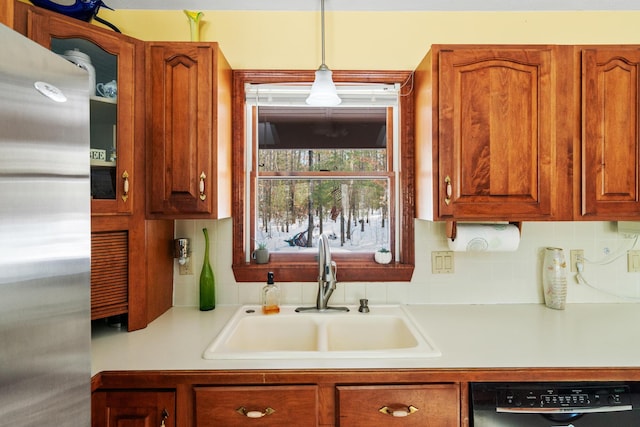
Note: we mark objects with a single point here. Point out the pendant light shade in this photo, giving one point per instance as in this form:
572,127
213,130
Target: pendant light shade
323,91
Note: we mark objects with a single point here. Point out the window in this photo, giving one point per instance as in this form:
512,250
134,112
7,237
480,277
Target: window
311,170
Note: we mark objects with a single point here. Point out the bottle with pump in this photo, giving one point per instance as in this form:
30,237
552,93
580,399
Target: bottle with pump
270,296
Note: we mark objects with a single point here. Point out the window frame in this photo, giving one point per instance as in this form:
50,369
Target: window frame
352,268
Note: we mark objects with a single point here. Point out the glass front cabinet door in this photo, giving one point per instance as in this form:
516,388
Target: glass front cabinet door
109,60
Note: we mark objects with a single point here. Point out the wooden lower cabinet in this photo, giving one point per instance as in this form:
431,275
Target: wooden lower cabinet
133,408
435,397
423,405
301,398
265,406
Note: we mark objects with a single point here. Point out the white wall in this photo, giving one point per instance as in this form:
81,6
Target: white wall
479,278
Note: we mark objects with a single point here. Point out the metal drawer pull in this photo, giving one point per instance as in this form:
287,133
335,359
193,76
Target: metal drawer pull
202,178
254,414
399,410
125,186
165,415
448,190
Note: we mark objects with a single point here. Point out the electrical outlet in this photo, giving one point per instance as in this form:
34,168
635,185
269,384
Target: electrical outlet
633,261
576,255
185,269
442,262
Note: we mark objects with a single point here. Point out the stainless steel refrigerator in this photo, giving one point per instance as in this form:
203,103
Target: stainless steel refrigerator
45,245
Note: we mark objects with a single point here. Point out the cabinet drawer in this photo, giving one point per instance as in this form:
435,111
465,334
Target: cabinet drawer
272,405
423,405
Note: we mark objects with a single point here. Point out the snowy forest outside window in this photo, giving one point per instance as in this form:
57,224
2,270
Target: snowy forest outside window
330,170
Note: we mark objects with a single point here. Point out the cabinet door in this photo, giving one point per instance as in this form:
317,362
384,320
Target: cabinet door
611,132
432,405
189,129
267,406
495,133
133,409
112,125
109,273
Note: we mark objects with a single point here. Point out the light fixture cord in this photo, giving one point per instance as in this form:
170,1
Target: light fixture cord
322,25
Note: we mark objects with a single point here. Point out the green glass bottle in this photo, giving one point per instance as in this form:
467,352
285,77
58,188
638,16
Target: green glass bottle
207,281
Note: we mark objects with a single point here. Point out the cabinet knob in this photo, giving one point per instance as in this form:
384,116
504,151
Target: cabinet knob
202,178
398,410
253,413
125,186
448,190
164,416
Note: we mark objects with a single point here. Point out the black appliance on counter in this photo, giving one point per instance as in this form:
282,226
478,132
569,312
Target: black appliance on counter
555,404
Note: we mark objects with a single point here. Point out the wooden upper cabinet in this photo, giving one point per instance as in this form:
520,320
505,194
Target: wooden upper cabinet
189,130
610,133
122,282
114,125
488,150
6,12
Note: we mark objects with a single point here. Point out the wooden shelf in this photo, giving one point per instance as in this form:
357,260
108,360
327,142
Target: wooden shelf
102,163
102,99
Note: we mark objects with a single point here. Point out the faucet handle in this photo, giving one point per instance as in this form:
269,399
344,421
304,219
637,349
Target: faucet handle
334,270
364,306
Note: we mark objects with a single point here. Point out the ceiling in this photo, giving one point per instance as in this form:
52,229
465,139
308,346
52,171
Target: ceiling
379,5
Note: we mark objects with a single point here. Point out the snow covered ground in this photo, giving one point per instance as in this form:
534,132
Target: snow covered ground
367,237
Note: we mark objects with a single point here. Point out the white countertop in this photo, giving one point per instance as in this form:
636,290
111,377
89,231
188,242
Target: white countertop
469,336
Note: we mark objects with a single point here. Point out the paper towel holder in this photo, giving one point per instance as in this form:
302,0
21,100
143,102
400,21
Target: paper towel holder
451,228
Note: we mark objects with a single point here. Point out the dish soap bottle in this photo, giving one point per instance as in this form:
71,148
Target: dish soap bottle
270,296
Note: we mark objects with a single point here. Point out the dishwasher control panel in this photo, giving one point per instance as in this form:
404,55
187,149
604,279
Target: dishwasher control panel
555,404
562,399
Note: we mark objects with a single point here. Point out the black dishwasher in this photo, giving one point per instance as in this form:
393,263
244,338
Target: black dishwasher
555,404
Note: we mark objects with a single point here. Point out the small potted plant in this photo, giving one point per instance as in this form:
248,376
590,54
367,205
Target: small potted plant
383,256
261,254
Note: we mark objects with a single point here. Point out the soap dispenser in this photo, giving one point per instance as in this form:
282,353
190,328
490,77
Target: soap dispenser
270,296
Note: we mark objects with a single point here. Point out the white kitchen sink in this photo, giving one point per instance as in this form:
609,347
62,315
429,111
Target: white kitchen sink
386,331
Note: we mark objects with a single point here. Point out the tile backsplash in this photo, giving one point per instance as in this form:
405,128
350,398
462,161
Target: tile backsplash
478,277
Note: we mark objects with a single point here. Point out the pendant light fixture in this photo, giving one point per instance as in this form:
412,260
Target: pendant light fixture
323,91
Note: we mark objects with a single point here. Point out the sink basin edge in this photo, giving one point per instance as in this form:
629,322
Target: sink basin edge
388,331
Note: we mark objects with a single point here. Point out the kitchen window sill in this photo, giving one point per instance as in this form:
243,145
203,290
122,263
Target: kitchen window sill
368,271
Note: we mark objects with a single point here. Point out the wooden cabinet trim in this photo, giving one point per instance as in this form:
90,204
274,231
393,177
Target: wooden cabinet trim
169,379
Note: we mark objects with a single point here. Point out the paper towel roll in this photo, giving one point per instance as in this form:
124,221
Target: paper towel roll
485,237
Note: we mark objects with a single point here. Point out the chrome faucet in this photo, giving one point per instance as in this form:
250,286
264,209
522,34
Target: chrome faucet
326,278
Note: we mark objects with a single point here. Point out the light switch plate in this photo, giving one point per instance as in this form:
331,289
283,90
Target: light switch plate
633,261
442,262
